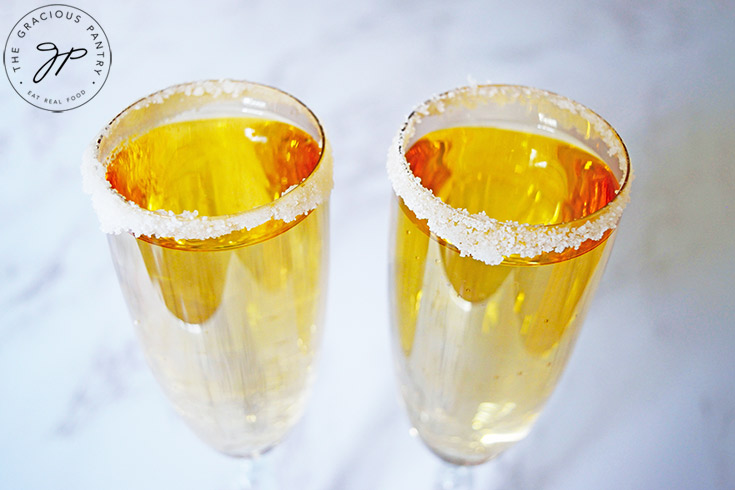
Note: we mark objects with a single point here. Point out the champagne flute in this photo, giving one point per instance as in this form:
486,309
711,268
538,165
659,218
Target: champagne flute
506,203
215,198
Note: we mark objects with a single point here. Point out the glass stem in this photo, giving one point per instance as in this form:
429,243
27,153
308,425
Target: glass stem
257,474
455,477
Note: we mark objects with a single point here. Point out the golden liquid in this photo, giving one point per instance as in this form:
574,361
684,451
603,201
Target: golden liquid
481,347
216,167
230,326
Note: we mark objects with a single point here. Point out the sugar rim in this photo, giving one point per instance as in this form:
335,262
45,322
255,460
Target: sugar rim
487,239
119,215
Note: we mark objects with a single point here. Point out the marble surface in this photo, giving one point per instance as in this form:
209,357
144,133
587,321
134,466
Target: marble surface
647,401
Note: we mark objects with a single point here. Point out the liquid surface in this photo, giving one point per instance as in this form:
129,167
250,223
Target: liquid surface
230,334
512,175
215,166
480,348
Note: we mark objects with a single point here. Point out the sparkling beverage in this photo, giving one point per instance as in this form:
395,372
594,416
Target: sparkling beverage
480,347
229,324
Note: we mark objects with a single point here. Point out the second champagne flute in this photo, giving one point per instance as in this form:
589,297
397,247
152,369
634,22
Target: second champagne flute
506,203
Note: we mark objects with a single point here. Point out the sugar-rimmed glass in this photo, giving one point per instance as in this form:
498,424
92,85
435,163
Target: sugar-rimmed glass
507,200
215,199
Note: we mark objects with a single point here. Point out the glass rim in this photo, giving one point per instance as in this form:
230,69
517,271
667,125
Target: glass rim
487,239
118,214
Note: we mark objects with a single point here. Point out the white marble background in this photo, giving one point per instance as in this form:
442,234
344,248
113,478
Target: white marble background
648,401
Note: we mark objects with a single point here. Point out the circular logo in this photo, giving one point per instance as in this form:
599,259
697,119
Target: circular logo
57,57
